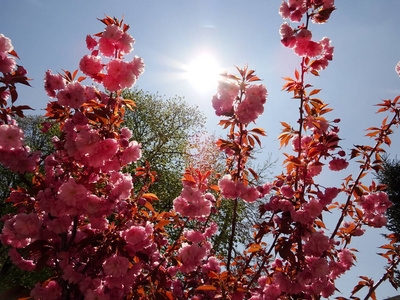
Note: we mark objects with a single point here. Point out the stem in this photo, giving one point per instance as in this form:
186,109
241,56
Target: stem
233,233
383,278
360,175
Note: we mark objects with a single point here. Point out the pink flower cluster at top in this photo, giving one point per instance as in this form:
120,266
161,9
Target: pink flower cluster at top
300,41
7,62
226,102
295,9
114,42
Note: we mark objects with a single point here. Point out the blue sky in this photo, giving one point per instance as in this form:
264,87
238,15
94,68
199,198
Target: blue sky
50,34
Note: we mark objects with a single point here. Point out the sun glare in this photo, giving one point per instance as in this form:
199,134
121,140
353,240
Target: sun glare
203,72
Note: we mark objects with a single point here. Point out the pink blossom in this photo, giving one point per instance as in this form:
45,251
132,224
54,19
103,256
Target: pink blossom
71,275
338,164
5,44
138,237
20,230
137,66
191,257
194,236
71,193
287,35
327,197
124,44
20,160
126,133
90,65
253,104
48,291
284,10
250,194
7,64
210,231
398,68
287,191
19,261
314,169
213,264
317,244
85,142
112,32
122,74
222,102
265,189
122,185
131,154
60,224
192,203
72,96
90,42
104,151
11,137
116,266
318,266
231,189
107,47
53,83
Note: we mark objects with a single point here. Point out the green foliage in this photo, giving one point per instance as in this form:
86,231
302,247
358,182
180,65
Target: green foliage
163,127
390,176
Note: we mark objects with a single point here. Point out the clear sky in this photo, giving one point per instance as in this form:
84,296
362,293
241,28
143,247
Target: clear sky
50,34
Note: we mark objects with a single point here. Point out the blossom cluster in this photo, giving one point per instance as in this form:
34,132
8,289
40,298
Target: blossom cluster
228,102
119,74
14,154
7,62
300,39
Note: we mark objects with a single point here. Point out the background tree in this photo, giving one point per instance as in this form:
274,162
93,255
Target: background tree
389,175
163,127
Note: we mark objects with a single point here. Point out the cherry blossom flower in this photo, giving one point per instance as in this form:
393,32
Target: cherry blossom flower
90,42
192,203
11,137
91,65
338,164
48,291
5,44
121,74
116,266
317,244
253,104
71,193
52,83
398,68
191,256
138,237
7,64
72,96
222,102
131,154
20,262
287,35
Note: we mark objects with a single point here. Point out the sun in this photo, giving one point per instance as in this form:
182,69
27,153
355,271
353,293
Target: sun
203,72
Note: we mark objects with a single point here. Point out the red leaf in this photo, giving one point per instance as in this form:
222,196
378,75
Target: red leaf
206,288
